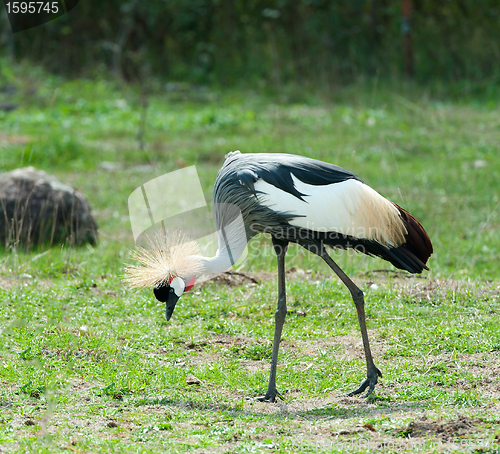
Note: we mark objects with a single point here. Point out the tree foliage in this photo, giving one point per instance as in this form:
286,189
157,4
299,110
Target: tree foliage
274,40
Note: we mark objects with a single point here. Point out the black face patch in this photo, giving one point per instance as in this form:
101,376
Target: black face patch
166,294
162,292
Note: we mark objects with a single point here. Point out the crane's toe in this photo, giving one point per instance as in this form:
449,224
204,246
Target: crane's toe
266,398
270,396
370,382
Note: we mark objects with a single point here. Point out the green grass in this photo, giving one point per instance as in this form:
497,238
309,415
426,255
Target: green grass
87,365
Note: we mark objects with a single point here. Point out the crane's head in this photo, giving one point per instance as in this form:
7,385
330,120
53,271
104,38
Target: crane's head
170,294
167,258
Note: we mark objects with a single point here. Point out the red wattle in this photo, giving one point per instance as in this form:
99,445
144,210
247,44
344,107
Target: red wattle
190,284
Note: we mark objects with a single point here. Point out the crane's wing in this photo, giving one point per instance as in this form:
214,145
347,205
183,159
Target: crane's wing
278,169
348,207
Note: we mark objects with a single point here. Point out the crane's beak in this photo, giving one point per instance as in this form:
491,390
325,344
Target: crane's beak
170,305
170,294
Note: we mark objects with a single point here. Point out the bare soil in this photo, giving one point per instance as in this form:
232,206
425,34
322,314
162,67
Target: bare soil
444,430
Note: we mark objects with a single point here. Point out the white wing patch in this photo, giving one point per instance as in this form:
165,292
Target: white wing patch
350,208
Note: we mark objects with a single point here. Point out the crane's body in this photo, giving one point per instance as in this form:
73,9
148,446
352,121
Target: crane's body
305,200
312,203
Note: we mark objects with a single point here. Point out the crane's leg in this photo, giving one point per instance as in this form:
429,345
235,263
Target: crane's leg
372,373
280,248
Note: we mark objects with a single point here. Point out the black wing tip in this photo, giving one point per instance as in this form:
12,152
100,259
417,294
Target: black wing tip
417,240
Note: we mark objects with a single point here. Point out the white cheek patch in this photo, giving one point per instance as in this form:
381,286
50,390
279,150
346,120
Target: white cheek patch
178,285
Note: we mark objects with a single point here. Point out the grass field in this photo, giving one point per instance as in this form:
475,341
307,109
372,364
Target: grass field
87,365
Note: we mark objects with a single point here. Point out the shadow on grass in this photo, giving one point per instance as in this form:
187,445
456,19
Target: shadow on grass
330,411
188,404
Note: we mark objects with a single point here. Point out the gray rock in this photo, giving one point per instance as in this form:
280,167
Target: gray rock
37,209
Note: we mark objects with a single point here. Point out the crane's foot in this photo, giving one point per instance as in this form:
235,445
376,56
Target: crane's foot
270,396
370,382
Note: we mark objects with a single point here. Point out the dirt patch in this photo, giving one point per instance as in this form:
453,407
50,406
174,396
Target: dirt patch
14,140
216,339
444,430
9,281
234,279
419,288
238,279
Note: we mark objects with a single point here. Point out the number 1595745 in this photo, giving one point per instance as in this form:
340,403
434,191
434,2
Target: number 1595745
32,7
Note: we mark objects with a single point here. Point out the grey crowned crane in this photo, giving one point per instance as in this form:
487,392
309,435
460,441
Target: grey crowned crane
296,200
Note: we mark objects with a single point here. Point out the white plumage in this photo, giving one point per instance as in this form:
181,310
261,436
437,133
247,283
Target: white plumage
350,208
